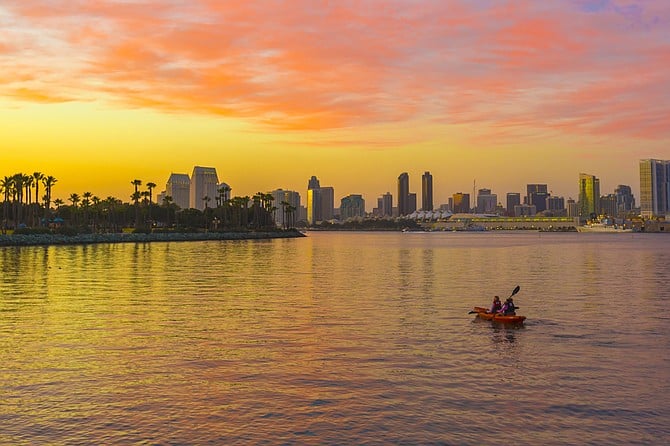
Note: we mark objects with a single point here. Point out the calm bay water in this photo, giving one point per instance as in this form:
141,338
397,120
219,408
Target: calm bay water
337,338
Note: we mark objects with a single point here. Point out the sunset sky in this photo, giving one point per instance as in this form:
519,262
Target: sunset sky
98,93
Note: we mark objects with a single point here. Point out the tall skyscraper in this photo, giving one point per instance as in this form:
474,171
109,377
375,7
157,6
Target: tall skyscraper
313,183
179,188
486,201
427,191
352,206
204,184
327,202
625,202
513,199
608,205
536,194
555,204
403,194
589,196
385,205
654,188
461,203
313,201
411,203
320,201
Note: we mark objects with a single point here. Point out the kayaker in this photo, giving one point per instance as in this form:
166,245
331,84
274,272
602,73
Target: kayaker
496,306
508,308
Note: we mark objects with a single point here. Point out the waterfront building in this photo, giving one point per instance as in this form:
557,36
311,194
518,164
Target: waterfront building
179,188
203,190
572,208
608,205
411,203
486,201
352,206
589,196
524,210
314,213
387,205
327,203
624,199
555,204
513,199
286,217
320,201
427,192
461,203
536,194
654,188
403,194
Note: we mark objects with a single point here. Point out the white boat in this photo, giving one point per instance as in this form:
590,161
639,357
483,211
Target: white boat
602,227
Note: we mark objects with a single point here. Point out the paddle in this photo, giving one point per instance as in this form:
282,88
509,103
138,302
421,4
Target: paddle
514,291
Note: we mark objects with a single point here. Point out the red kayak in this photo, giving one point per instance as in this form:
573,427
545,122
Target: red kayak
483,313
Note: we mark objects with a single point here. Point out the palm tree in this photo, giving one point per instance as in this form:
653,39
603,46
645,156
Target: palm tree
48,183
150,187
167,202
6,186
17,192
37,178
74,198
136,198
86,204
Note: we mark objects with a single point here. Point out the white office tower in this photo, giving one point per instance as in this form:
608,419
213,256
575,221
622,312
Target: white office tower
179,188
204,187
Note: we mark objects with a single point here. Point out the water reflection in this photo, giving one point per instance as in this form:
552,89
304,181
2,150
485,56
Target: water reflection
334,339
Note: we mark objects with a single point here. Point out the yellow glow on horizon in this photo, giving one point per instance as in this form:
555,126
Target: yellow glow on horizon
90,146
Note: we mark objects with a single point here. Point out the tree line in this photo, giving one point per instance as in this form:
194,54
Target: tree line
24,210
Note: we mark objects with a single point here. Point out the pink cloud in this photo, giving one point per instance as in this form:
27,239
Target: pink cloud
519,65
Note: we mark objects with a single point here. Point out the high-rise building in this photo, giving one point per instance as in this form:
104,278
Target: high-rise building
385,205
654,188
461,203
313,183
625,202
285,216
327,203
313,201
403,194
320,202
352,206
203,191
513,199
427,192
589,196
555,204
486,201
179,188
572,208
536,194
608,205
411,203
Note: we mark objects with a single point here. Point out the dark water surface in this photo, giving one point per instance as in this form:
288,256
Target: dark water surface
337,338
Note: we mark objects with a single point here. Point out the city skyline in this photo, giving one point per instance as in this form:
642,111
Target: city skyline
501,93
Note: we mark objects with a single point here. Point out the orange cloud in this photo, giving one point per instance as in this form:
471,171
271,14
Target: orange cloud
522,65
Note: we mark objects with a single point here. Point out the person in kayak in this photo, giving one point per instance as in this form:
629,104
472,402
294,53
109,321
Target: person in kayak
496,306
508,308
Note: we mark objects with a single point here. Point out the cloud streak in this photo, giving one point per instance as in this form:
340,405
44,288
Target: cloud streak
581,67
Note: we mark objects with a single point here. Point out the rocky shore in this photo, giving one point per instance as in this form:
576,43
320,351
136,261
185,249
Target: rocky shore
86,239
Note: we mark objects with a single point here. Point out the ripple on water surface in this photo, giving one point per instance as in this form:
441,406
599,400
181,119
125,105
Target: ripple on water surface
336,339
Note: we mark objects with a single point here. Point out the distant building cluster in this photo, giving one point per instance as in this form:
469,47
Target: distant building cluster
203,189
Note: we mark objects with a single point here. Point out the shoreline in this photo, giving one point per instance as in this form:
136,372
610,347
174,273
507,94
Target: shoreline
89,239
